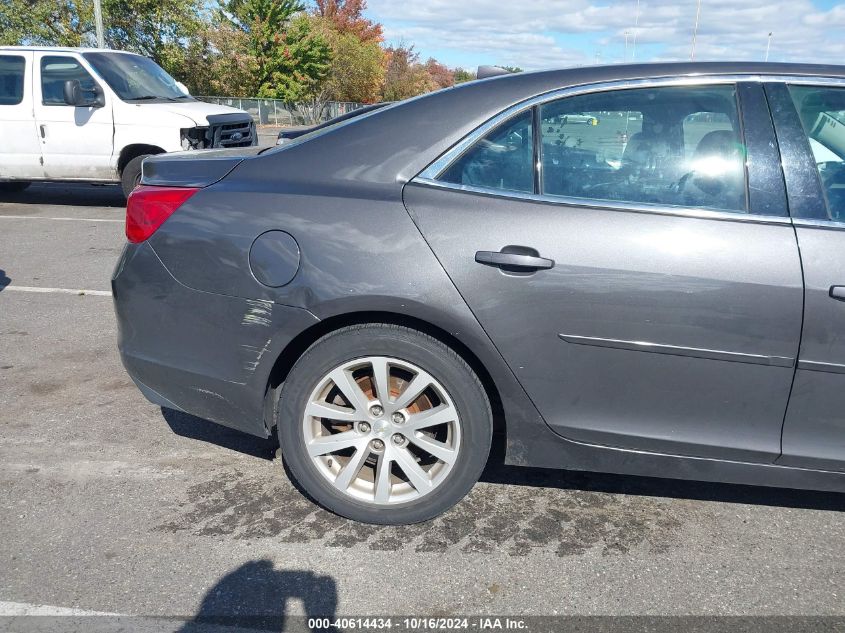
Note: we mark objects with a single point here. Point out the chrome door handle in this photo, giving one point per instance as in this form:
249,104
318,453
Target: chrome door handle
837,292
513,260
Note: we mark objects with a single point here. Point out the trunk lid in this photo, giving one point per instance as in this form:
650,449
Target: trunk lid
198,168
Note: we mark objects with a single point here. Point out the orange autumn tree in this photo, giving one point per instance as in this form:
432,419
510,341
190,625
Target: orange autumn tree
347,16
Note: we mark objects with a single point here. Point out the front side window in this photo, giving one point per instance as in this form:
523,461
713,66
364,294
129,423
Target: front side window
675,146
11,79
822,113
55,71
503,159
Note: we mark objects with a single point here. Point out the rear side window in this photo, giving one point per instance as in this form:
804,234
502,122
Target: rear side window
503,159
677,146
55,71
822,113
11,79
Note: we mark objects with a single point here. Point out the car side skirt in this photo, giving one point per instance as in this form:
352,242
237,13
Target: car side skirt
549,450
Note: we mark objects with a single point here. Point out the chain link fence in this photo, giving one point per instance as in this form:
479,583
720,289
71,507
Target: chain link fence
278,112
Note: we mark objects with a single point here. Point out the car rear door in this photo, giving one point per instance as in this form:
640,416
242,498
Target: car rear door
76,141
642,292
20,152
810,121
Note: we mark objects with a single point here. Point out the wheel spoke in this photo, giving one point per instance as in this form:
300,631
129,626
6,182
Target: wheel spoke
349,388
413,389
441,451
381,378
333,412
431,417
353,466
413,471
382,485
324,444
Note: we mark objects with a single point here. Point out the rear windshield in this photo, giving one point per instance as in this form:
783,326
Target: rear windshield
330,126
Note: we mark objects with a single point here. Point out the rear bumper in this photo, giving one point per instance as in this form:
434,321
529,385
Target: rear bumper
206,354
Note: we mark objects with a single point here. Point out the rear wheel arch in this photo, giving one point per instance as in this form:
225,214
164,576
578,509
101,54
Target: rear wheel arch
300,344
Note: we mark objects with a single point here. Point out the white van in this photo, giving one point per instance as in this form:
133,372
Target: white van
93,115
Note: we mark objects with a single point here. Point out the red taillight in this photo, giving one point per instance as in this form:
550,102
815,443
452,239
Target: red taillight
148,208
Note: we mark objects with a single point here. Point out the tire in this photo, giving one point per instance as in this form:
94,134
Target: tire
13,186
131,174
454,393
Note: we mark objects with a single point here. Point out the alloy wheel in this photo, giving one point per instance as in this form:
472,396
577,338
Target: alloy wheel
382,430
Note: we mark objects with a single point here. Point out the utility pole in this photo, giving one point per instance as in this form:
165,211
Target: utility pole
768,45
695,31
98,19
636,28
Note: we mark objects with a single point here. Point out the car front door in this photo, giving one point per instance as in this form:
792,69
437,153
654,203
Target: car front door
810,121
642,292
76,141
20,152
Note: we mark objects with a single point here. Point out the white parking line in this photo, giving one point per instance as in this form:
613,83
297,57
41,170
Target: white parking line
65,291
25,608
39,217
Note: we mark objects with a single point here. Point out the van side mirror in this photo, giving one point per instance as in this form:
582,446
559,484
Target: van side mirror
74,95
73,92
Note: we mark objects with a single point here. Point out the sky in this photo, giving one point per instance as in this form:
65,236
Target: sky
537,34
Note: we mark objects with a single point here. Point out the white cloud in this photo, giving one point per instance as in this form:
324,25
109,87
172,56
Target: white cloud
541,34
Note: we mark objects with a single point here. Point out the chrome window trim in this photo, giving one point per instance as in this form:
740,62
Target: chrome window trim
611,205
429,175
810,223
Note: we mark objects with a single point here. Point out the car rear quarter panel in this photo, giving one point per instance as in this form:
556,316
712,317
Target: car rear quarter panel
358,254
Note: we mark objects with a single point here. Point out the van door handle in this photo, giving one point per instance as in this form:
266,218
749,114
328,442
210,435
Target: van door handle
837,292
515,260
43,129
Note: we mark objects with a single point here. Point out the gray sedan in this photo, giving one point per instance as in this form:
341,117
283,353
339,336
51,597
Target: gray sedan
660,292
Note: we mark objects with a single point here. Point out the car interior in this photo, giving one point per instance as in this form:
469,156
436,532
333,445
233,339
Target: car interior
822,112
11,79
55,72
667,146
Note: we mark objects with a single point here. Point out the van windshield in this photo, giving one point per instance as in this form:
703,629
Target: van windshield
135,78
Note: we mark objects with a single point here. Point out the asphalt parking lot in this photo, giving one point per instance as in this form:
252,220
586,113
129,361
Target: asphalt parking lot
111,504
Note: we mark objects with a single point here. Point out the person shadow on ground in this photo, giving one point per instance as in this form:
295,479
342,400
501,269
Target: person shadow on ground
255,597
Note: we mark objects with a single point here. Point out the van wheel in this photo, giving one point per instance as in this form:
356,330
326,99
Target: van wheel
13,186
131,176
384,424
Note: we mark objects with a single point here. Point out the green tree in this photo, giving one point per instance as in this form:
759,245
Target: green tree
290,57
301,66
156,28
461,75
216,61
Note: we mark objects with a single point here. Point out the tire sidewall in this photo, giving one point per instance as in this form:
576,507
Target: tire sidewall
442,363
131,173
